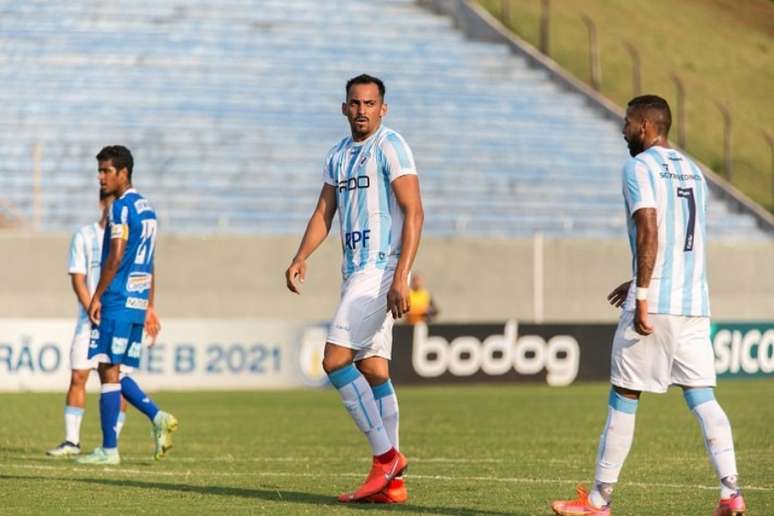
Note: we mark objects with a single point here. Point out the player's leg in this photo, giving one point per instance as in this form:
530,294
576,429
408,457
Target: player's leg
358,399
75,405
375,366
109,407
108,343
638,363
357,396
75,402
694,370
164,423
121,417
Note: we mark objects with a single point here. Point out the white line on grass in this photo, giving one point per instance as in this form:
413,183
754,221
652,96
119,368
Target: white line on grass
228,459
511,480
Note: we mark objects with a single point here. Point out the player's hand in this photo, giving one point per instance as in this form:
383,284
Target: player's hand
641,320
398,298
619,293
95,307
152,325
295,275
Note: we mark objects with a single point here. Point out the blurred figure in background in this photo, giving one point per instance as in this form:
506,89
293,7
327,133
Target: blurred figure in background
422,308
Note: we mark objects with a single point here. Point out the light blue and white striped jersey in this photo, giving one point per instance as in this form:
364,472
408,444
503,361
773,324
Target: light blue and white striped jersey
85,258
370,220
667,180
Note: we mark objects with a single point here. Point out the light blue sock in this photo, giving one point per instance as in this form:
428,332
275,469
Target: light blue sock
137,398
359,401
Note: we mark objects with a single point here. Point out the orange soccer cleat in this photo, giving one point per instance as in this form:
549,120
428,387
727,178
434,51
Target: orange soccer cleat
581,506
733,506
395,492
378,478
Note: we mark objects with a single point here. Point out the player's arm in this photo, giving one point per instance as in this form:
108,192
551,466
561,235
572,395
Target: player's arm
647,247
409,200
109,270
78,267
152,323
316,231
78,282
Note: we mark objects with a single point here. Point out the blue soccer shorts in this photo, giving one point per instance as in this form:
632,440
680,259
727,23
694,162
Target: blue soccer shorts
116,342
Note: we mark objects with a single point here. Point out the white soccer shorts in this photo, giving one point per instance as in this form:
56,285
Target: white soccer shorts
362,322
678,352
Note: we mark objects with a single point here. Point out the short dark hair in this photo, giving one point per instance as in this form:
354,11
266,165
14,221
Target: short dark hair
645,105
120,156
366,79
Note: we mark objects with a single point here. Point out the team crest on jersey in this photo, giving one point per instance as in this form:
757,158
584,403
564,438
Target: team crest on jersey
364,159
138,282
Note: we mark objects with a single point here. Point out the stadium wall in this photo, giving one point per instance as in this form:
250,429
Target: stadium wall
242,277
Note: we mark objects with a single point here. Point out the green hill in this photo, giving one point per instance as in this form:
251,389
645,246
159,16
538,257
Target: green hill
723,50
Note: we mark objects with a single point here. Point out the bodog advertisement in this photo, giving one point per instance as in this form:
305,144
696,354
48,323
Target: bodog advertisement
556,354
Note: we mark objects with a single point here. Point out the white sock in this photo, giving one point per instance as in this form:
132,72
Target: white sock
614,445
359,401
387,402
718,439
120,422
73,417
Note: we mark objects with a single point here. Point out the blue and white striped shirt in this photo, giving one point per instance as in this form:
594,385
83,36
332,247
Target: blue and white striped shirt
671,183
370,220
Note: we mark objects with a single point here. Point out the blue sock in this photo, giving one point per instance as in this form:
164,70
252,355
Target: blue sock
109,407
138,398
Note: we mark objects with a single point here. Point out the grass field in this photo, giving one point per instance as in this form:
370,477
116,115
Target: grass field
473,450
722,50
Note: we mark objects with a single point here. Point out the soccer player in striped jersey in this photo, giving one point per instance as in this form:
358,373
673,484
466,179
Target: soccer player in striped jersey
663,334
83,267
371,180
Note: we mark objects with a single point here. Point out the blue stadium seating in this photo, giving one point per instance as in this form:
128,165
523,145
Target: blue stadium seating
230,105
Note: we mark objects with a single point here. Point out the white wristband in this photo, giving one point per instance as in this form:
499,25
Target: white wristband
641,294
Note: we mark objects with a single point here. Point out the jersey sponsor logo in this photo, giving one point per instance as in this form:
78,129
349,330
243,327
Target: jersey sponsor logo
354,183
138,282
141,205
118,346
137,303
353,238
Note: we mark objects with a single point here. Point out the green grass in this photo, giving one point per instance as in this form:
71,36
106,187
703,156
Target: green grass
475,450
722,49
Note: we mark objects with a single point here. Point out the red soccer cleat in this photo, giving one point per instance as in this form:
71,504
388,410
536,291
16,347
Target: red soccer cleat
395,492
378,478
580,506
733,506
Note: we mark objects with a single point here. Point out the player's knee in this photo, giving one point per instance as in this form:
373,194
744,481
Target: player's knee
78,379
332,363
375,378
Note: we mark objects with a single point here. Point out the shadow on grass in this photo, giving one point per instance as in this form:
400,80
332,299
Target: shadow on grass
274,495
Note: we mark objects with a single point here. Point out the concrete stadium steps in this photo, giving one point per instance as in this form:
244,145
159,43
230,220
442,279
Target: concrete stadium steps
230,106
